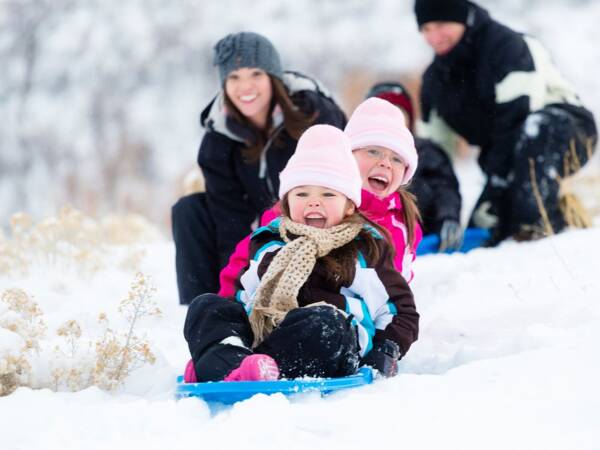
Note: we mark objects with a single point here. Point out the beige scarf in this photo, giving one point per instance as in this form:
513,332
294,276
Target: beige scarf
278,289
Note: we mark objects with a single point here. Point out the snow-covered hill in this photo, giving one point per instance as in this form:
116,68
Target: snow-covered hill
507,358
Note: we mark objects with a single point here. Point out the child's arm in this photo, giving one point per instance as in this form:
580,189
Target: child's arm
263,249
239,258
398,319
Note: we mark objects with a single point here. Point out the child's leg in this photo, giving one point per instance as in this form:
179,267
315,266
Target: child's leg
218,334
315,341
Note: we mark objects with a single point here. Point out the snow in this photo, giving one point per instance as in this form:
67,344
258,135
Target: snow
508,350
507,358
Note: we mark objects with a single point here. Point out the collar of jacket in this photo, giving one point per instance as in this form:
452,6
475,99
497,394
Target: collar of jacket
214,116
374,207
273,228
464,53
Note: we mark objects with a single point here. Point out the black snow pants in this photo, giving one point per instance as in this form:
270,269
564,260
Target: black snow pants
546,138
314,341
197,260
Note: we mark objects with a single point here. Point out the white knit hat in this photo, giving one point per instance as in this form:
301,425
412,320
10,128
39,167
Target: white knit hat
323,157
378,122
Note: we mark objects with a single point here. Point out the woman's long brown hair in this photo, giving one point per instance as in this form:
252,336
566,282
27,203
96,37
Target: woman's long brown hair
295,121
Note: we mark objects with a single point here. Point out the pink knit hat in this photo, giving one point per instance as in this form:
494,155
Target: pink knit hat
323,158
378,122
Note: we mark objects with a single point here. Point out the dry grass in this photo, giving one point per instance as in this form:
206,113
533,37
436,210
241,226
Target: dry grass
574,187
575,212
24,319
71,240
76,362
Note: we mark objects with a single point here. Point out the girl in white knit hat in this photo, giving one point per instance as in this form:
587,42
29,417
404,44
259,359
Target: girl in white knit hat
320,295
385,151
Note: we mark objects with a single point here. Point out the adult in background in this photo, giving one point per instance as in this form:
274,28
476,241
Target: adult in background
434,184
500,90
252,127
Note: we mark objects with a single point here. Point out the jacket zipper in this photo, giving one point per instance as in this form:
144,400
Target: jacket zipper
263,172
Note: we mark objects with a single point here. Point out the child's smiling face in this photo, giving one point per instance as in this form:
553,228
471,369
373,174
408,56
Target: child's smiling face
318,206
381,169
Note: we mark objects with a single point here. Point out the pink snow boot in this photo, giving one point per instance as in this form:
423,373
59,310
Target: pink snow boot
255,367
189,376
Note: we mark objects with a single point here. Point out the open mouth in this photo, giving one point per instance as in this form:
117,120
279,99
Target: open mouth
315,220
248,98
378,183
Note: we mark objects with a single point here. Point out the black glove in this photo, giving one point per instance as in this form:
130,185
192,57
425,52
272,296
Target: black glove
384,357
451,235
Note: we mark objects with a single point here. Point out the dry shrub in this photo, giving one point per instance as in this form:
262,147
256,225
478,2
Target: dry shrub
128,229
71,240
573,188
579,191
118,354
23,317
193,182
108,360
76,362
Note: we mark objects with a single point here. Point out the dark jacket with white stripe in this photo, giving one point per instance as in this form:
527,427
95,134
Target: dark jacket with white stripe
379,297
238,192
486,86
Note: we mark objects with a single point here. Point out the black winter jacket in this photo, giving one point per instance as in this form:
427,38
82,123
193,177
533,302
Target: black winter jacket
435,186
238,192
486,86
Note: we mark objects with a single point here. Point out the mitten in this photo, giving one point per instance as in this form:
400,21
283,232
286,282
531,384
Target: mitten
488,211
384,357
451,235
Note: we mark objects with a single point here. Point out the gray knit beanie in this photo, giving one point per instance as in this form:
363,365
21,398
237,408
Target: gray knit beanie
246,49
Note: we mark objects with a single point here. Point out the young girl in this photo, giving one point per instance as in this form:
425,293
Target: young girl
252,127
375,124
320,294
435,184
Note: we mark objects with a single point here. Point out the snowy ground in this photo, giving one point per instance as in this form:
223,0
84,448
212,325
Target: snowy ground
507,358
508,352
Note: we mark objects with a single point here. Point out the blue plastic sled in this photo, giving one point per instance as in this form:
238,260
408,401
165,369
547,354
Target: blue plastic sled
234,391
474,237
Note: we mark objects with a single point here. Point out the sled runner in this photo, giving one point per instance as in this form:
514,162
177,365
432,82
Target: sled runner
474,237
229,392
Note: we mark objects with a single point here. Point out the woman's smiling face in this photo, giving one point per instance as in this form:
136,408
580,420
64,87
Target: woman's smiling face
250,90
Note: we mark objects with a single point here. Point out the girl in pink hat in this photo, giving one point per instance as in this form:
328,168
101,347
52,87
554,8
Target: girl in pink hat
385,151
320,294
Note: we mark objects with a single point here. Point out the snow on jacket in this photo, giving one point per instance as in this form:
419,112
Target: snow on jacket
436,187
238,192
485,87
379,298
386,212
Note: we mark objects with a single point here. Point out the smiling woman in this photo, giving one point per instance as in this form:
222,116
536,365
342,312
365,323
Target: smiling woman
250,91
252,126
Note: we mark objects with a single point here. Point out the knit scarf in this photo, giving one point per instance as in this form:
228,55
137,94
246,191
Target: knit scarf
278,290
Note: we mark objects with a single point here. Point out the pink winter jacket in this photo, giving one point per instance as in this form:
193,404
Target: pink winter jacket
386,212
